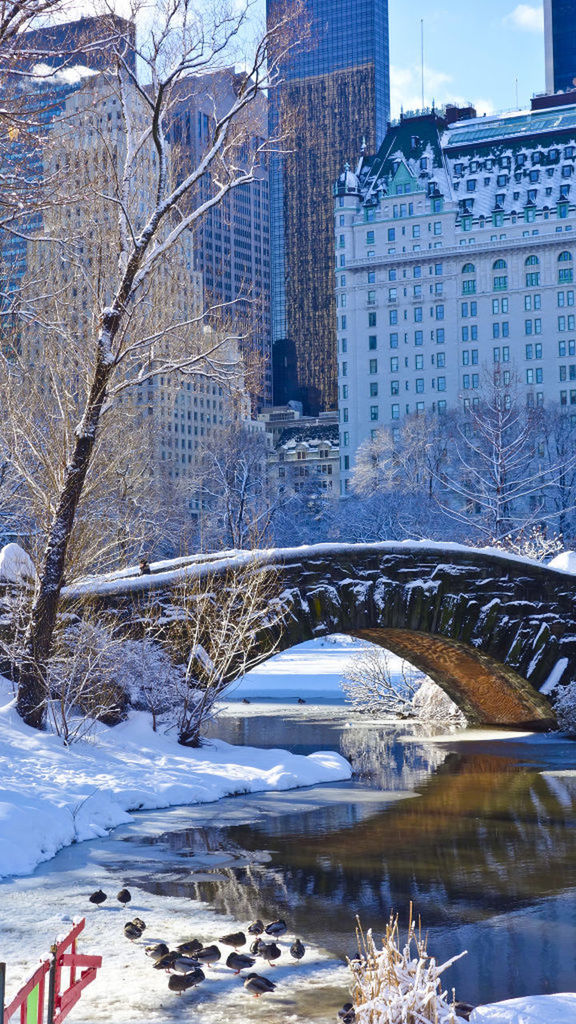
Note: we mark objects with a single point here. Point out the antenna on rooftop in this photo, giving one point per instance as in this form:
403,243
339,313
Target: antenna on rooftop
422,56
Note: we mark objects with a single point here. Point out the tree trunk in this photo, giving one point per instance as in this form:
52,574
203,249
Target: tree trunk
31,674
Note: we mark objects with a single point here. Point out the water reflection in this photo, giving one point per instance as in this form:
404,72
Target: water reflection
486,850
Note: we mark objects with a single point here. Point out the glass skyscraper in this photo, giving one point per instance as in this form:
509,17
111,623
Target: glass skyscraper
560,37
337,89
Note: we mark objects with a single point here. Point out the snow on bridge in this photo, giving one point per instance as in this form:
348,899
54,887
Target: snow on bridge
494,630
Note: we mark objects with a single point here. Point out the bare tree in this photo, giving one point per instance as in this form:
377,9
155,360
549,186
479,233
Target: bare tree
499,481
237,505
219,631
151,223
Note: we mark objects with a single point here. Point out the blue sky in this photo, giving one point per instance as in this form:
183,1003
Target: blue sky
474,50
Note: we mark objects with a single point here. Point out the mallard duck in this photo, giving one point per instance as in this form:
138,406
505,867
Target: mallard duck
463,1010
181,982
258,985
276,928
208,955
98,897
269,951
132,931
255,947
184,964
190,946
239,961
164,963
157,951
234,939
139,923
347,1014
124,896
297,949
256,928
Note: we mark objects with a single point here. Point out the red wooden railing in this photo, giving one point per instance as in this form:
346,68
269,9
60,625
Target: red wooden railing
42,1003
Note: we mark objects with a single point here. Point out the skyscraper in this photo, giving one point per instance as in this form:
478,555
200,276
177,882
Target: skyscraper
337,89
560,39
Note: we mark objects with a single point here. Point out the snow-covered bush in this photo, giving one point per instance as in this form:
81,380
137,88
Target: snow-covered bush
373,686
84,681
432,704
564,704
399,984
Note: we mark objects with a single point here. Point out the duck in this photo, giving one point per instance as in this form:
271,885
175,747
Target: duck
234,939
276,928
256,928
347,1014
301,700
156,952
165,962
239,961
269,951
255,947
139,923
124,896
463,1010
208,955
132,931
98,897
182,982
190,946
258,985
184,964
297,949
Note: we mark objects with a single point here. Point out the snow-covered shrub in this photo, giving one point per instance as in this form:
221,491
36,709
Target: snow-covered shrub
432,704
84,679
564,704
373,686
399,984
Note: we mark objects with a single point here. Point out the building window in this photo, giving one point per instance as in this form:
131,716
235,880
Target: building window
418,337
500,283
394,387
369,238
441,384
374,389
371,298
371,319
372,341
395,412
393,341
393,317
373,412
373,366
440,336
419,385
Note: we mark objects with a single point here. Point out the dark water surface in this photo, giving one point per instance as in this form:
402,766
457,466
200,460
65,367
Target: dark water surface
479,835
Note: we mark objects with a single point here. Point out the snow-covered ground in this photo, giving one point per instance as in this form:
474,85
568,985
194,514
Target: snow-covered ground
51,796
313,671
553,1009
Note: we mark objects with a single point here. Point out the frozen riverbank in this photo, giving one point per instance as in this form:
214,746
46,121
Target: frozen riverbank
52,796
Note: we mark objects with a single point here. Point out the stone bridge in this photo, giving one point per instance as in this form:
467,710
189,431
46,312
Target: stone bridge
496,632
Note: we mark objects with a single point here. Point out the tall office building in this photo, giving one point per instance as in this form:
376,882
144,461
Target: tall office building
337,90
560,39
232,240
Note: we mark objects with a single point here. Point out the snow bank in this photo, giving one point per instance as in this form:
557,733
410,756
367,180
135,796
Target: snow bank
16,566
555,1009
566,561
52,796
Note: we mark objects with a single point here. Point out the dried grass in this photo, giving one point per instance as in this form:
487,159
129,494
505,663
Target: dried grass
399,984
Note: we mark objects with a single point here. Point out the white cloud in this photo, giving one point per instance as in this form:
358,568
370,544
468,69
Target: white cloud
406,91
526,18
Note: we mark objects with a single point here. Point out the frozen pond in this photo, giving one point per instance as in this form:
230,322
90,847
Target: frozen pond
479,834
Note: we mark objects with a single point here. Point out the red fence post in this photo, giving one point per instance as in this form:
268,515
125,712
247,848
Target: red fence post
2,990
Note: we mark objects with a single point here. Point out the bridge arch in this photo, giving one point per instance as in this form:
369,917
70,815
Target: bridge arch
489,628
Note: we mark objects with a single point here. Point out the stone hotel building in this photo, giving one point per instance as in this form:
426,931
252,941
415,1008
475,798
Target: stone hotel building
455,254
